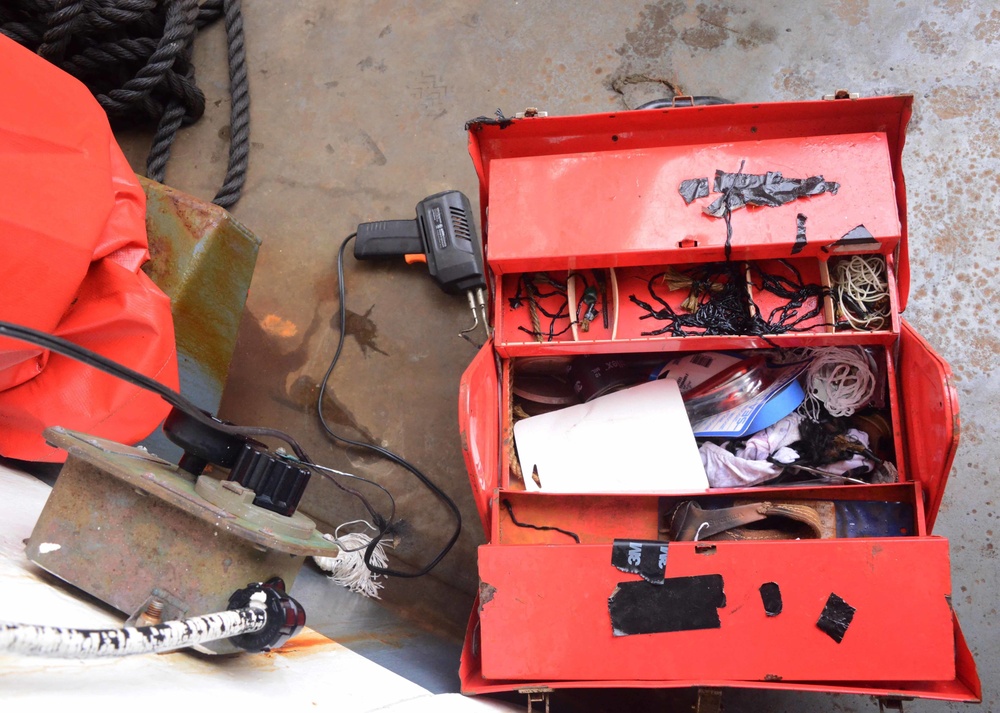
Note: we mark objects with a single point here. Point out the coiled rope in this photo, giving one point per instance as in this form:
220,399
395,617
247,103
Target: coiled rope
135,57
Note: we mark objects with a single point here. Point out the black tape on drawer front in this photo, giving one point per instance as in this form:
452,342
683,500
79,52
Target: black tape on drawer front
770,595
836,617
647,558
679,604
800,234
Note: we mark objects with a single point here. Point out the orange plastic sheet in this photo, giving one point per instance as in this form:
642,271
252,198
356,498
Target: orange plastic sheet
72,240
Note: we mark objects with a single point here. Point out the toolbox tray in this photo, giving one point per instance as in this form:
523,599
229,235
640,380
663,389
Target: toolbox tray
566,195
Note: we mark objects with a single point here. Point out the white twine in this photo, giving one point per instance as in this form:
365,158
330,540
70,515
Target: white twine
864,280
841,379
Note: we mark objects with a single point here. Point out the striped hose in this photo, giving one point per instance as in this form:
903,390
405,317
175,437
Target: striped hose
58,642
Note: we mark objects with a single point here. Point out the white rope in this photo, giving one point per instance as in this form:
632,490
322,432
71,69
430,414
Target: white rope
841,379
62,643
348,568
864,282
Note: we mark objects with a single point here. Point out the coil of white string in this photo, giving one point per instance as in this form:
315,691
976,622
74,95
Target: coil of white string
841,379
862,292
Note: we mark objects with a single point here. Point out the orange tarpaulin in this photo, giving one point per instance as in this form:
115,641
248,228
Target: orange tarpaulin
72,240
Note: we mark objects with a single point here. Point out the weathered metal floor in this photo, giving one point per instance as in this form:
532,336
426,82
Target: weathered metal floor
358,112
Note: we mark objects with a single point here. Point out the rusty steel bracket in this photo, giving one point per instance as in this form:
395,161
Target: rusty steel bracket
124,526
537,695
891,703
203,259
709,700
841,94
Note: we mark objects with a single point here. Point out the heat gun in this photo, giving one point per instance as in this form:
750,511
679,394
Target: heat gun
443,236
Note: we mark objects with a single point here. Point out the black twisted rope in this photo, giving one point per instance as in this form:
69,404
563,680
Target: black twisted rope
135,57
239,113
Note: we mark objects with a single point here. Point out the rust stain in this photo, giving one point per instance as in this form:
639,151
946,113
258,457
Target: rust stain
853,12
988,29
654,32
712,29
952,7
796,83
310,642
929,38
273,324
306,642
956,102
756,35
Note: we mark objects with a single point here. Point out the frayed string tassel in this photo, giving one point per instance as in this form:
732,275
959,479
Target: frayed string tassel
348,568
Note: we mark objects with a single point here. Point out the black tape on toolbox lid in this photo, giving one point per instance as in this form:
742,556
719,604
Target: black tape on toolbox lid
764,189
856,237
770,594
836,617
692,189
679,604
800,234
647,558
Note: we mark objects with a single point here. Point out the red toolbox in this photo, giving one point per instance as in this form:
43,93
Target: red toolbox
615,201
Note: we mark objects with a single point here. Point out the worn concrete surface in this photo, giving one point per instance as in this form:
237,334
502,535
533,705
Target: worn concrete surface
357,114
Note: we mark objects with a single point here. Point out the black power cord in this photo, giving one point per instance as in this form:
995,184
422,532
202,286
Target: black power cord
384,452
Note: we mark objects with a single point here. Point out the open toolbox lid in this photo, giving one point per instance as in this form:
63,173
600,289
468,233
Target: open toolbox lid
602,190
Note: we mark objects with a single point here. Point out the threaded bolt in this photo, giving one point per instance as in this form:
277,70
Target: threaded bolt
153,614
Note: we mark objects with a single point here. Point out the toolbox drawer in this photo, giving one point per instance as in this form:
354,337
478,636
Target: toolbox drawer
544,612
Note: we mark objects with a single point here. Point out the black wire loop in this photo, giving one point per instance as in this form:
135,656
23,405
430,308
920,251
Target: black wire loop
379,450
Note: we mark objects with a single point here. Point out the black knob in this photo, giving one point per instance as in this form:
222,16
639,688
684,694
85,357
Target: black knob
278,484
202,443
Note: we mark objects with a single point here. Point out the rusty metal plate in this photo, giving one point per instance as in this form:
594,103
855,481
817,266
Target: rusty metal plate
150,474
125,526
203,259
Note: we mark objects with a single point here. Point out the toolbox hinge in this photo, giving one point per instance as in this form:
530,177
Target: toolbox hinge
709,700
537,695
841,94
891,703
